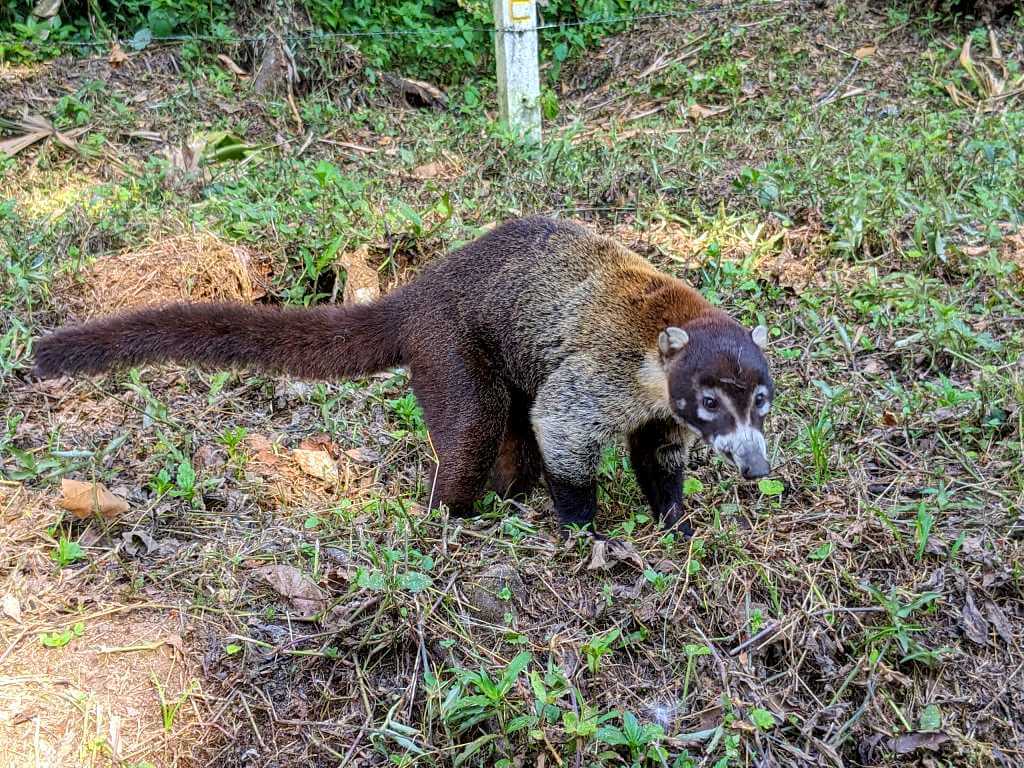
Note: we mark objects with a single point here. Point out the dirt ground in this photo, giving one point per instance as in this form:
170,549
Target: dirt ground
272,590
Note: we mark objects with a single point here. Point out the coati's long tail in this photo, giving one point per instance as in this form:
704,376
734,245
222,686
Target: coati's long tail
321,343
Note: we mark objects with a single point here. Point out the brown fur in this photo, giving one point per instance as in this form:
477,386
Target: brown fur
528,348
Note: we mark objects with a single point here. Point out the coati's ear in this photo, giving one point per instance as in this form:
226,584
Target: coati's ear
671,340
760,336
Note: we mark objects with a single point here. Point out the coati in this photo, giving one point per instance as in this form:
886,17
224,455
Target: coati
530,349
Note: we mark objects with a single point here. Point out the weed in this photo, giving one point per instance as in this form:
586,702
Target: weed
67,552
599,646
169,708
642,742
61,639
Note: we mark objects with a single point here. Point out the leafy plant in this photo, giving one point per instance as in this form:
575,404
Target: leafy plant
900,628
169,708
642,741
487,699
60,639
599,646
67,552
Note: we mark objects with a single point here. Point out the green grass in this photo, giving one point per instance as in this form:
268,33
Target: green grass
897,431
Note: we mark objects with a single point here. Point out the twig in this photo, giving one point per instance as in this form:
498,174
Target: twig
773,628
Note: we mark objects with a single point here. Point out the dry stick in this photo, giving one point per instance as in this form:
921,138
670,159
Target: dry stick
774,627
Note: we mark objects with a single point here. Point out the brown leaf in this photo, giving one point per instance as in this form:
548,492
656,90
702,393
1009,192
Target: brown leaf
418,92
910,742
291,583
85,499
361,283
228,62
318,464
363,455
605,553
428,171
321,442
889,419
1000,622
11,608
262,450
117,55
975,625
865,52
697,112
209,456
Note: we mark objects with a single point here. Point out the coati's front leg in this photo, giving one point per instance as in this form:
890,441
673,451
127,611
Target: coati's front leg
658,452
570,426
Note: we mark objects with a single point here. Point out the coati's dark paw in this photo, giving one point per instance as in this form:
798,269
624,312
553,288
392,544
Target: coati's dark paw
674,521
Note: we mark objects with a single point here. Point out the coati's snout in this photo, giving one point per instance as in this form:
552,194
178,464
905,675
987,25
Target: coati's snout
720,388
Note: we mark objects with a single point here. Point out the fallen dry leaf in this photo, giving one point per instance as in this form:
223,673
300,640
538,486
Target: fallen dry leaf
975,625
697,112
85,499
420,91
228,62
318,464
137,543
262,450
117,55
865,52
605,553
291,583
35,128
361,283
321,443
427,171
363,455
1000,622
910,742
11,608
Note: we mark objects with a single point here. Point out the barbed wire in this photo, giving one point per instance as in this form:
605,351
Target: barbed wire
312,35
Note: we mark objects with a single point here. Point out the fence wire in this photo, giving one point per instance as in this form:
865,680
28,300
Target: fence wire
315,35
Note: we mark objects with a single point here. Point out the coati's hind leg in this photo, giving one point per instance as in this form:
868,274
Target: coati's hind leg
465,408
658,452
519,465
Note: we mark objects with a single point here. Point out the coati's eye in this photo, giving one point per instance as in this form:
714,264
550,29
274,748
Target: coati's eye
759,400
710,404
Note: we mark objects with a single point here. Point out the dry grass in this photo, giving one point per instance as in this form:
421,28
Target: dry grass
867,611
101,697
189,267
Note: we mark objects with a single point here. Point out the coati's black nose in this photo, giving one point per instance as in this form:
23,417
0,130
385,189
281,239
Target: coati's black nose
756,469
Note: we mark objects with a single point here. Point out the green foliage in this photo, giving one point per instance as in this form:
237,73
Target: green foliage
599,646
446,41
60,639
642,741
67,552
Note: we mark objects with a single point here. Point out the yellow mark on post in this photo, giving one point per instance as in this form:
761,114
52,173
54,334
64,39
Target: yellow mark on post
520,10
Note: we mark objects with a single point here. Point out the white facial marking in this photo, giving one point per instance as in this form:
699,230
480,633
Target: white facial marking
740,442
760,336
766,405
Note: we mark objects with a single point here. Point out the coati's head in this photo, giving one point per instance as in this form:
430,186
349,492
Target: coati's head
720,387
